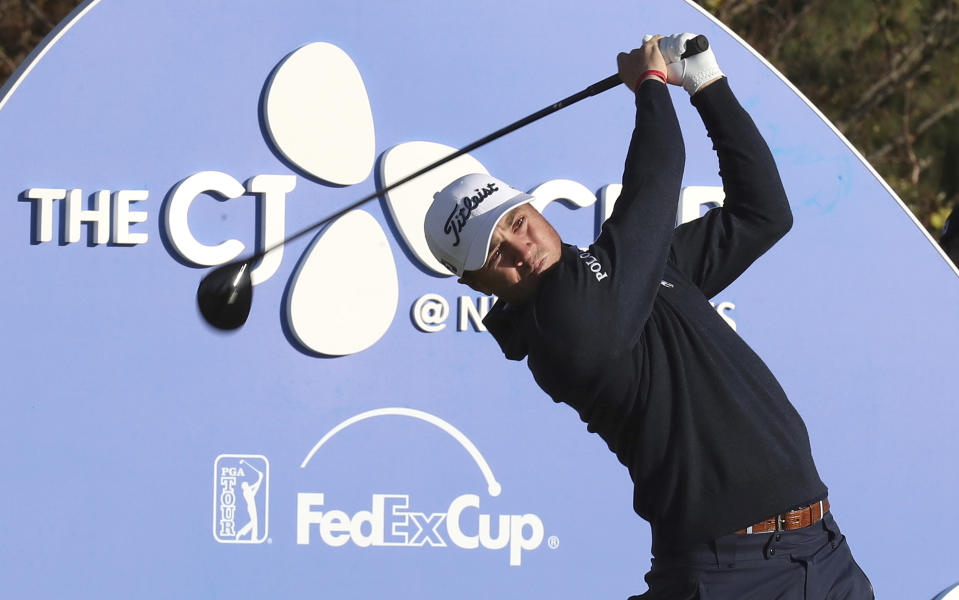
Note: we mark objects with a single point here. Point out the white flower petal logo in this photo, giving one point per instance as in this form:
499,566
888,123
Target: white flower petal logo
317,114
344,293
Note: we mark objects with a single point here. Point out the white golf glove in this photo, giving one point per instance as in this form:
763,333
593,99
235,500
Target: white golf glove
690,72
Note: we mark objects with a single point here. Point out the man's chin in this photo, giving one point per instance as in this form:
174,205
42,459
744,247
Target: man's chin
522,292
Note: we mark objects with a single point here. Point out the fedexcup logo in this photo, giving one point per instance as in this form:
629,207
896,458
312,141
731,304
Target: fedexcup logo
398,520
241,498
391,521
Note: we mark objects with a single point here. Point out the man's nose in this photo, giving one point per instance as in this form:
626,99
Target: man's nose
520,251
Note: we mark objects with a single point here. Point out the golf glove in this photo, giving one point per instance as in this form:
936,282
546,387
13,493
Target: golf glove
690,72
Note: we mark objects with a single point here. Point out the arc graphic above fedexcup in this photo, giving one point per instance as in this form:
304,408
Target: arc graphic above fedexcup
225,295
493,486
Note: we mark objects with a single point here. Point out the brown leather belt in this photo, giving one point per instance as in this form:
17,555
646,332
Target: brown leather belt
794,519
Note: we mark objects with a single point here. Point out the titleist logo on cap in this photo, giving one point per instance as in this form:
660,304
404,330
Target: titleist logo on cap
462,211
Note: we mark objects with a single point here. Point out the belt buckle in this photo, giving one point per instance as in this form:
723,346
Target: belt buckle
780,523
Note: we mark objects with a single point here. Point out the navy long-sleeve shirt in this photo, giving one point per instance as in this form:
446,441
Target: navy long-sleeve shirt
624,333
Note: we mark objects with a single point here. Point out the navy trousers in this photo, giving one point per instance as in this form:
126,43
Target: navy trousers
813,563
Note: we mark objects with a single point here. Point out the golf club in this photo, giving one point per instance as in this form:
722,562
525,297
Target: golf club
243,462
225,295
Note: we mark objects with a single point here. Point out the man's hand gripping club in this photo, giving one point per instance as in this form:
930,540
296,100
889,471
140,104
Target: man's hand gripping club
693,73
642,63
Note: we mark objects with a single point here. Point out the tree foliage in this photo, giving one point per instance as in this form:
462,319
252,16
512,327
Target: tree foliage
23,24
885,72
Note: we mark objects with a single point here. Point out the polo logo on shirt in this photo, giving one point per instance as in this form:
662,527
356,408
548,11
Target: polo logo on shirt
594,265
666,284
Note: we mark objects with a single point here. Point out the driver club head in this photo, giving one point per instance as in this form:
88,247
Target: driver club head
225,295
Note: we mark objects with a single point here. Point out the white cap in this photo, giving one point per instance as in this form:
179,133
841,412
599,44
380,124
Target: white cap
461,220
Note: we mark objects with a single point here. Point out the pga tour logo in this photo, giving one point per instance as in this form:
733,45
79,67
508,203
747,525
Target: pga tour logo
241,498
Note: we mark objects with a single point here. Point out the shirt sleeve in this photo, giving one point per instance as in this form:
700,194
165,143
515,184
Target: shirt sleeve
715,249
604,297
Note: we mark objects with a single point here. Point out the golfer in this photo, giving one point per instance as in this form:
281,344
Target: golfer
624,333
249,496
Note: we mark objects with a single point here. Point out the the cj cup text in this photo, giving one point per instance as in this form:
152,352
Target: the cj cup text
112,215
390,522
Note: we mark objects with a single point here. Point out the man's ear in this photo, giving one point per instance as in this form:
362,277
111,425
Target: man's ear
468,279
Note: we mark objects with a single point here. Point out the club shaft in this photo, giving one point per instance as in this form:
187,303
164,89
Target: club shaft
693,46
598,87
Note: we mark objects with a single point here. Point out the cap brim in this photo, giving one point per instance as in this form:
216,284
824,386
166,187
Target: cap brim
479,246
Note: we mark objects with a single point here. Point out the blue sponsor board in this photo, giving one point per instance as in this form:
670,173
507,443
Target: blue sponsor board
386,445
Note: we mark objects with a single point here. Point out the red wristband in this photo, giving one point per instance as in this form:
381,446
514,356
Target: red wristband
655,72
